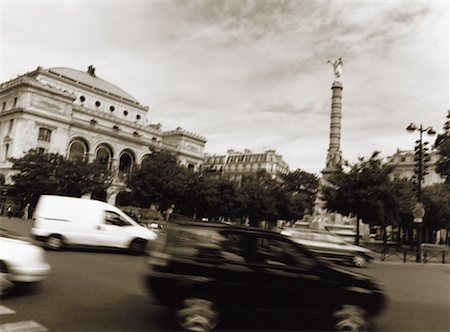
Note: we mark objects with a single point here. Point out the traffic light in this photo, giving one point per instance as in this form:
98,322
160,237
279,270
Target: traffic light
422,159
426,158
418,158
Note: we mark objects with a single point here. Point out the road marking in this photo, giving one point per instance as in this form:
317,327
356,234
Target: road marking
25,326
5,310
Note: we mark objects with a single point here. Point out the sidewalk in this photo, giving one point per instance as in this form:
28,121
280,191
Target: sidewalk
393,253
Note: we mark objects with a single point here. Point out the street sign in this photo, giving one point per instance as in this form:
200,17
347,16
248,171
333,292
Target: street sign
418,212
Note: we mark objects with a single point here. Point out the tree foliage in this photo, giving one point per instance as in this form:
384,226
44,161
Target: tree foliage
256,195
366,191
302,188
443,146
159,180
436,199
208,194
51,173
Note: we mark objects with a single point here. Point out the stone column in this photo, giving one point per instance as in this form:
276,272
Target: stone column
334,155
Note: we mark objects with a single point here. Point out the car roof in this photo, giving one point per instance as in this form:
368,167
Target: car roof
221,226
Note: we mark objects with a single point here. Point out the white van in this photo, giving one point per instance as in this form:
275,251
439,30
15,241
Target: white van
67,221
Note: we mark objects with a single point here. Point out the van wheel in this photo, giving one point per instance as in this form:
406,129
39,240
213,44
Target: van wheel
137,246
352,318
359,261
54,242
195,314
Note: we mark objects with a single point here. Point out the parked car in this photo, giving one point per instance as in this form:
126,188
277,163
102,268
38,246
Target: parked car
20,261
330,246
206,271
67,221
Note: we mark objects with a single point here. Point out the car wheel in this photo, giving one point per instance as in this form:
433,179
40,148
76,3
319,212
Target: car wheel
351,318
195,314
5,284
359,261
137,246
54,242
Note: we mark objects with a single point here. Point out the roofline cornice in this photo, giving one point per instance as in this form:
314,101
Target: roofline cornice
24,80
182,132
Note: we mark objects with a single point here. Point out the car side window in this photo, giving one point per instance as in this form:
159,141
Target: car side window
112,218
275,252
237,247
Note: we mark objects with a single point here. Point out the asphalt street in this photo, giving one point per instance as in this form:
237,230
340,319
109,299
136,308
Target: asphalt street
98,290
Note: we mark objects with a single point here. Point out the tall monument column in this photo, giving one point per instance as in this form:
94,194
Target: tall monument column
334,155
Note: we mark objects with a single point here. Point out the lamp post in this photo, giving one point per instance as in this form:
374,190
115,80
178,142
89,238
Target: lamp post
421,158
421,154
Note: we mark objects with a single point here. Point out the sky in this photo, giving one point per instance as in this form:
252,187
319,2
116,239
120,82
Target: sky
252,74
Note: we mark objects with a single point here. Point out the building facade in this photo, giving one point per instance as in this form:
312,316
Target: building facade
235,164
82,116
404,167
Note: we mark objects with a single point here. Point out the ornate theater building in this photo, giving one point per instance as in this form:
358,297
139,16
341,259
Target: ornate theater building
79,115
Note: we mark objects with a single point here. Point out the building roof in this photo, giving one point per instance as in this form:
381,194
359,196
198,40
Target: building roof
89,78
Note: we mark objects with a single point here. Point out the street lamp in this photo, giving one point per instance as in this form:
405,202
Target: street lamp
422,157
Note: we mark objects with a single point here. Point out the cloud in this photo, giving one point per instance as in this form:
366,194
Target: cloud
253,74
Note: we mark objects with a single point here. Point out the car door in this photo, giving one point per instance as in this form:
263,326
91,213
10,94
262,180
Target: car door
111,232
237,272
291,279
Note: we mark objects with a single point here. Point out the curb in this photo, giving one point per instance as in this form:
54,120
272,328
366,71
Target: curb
411,263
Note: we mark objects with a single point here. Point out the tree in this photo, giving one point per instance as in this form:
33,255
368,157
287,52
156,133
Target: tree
436,199
367,192
159,180
257,196
50,173
443,145
301,189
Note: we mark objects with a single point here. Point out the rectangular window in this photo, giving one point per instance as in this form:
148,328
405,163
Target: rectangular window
6,151
44,134
4,106
15,102
11,123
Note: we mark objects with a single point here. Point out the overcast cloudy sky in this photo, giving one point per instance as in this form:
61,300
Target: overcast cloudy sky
252,74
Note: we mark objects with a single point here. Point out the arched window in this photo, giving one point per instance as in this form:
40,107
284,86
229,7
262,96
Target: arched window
103,156
126,162
78,150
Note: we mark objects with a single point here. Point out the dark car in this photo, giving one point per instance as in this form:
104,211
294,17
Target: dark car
330,246
206,271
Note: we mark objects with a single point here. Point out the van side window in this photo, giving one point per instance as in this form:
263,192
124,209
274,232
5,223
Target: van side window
112,218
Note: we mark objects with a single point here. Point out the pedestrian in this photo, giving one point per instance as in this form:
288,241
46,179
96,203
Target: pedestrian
169,211
26,211
9,211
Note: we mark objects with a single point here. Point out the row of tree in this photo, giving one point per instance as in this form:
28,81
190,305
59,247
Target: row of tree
363,189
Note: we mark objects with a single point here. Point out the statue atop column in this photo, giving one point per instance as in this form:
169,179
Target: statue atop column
337,68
